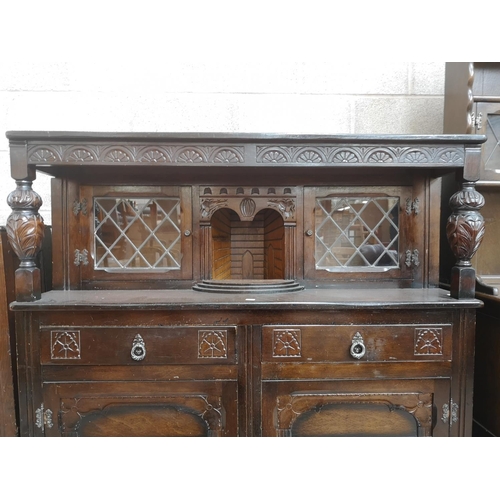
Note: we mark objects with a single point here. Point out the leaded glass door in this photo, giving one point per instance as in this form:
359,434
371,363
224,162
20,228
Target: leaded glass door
138,234
356,232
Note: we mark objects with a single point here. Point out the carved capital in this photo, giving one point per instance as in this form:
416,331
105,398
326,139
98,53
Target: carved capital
25,229
467,199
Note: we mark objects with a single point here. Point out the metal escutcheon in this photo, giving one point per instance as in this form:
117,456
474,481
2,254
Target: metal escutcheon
138,352
358,349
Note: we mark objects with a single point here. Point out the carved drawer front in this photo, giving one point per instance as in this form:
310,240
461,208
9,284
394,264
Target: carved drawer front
357,343
133,346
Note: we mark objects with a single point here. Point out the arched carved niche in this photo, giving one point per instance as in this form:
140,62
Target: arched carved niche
236,227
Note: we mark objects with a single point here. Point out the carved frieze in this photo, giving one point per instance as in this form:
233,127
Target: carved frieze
331,155
136,154
247,201
301,154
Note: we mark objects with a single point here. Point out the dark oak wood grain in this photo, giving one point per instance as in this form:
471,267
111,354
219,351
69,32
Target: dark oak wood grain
8,425
246,285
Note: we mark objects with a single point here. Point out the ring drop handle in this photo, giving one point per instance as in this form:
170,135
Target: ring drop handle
358,349
138,352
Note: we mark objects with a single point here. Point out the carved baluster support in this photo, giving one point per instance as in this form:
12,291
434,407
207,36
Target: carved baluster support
25,229
465,231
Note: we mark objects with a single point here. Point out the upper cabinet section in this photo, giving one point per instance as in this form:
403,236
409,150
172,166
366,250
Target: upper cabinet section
141,211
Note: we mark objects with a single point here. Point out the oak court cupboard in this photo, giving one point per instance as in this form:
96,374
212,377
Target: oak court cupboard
244,284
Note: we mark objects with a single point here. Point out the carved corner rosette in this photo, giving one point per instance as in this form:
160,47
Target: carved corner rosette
286,206
209,206
25,230
465,226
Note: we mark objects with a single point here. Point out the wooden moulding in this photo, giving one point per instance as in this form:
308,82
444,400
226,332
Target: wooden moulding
7,405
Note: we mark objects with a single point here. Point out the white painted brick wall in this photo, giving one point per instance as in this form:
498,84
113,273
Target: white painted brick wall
296,97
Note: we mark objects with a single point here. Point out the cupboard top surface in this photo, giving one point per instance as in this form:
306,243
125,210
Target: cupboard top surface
308,299
48,136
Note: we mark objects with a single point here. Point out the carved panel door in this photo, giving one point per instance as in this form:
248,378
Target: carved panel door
146,409
356,408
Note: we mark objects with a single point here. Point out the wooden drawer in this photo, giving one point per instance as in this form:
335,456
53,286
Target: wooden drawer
333,343
136,345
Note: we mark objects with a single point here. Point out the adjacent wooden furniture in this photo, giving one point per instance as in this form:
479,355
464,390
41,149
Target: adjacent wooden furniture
472,105
8,425
245,285
9,262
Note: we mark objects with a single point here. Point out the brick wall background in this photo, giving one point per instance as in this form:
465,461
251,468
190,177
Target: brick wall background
290,97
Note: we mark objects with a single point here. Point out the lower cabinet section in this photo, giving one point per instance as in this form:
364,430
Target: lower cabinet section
350,372
146,409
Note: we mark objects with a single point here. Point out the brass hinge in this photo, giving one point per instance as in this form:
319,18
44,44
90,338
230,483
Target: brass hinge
412,206
81,257
477,121
412,258
43,418
446,413
80,206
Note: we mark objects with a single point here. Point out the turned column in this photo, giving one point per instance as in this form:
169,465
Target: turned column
25,229
465,231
